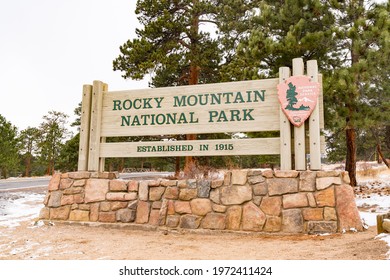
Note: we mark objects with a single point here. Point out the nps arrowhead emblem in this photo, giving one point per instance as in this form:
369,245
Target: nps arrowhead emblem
298,97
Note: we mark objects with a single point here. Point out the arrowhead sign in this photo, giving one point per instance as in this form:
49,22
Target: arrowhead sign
298,97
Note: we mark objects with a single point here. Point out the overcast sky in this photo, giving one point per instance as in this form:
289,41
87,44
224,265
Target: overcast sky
50,48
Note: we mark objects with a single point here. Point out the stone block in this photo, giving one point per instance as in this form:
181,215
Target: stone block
325,197
218,208
233,217
307,181
330,173
132,186
182,184
79,183
239,177
292,221
163,210
154,217
96,190
253,219
143,191
154,183
257,199
54,183
347,212
107,217
227,178
313,214
155,193
204,187
105,175
286,174
269,173
55,199
118,186
214,196
168,183
171,193
66,183
326,182
214,221
311,200
173,221
235,194
78,198
330,214
60,213
105,206
125,215
216,183
273,224
46,199
44,213
79,175
182,207
295,200
116,205
67,200
260,188
120,196
79,215
131,196
345,177
279,186
171,207
94,212
272,205
189,221
143,211
188,194
156,204
200,206
191,183
254,172
256,179
133,205
85,207
321,227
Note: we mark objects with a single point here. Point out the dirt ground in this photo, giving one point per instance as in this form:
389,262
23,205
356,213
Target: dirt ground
82,242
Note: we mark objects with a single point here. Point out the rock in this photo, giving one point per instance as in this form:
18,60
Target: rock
105,175
295,200
227,178
200,206
191,183
130,196
155,193
55,199
214,196
273,224
60,213
67,200
218,208
96,190
182,183
313,214
168,183
133,205
307,181
271,205
278,186
330,214
157,204
260,188
189,221
347,212
78,198
163,212
321,227
331,173
216,183
85,207
107,217
79,183
204,187
292,221
256,179
187,194
79,175
182,207
311,200
239,177
118,205
233,218
120,196
154,217
171,193
118,186
54,183
125,215
253,219
155,183
143,191
254,172
231,195
286,174
386,225
44,214
213,221
325,197
171,207
326,182
79,215
132,186
173,221
105,206
143,211
65,183
269,173
345,177
94,212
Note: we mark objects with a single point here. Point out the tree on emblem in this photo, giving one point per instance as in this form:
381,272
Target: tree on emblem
292,99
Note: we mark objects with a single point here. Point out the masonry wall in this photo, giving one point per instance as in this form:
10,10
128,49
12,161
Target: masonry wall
245,200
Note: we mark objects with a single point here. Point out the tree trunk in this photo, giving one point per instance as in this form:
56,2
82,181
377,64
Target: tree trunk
28,166
350,164
177,166
381,156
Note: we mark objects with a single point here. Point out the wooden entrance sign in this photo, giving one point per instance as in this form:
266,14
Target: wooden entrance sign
246,106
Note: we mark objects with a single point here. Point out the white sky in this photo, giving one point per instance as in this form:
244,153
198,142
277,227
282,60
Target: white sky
50,48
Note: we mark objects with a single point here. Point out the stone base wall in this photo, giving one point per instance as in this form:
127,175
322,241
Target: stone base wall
245,200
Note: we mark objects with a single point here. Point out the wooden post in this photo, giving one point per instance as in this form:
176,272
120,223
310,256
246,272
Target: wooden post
103,139
96,118
314,122
84,128
285,128
299,132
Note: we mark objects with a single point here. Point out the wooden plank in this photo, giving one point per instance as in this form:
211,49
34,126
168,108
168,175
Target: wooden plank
285,128
211,108
314,123
299,132
251,146
84,128
95,132
102,160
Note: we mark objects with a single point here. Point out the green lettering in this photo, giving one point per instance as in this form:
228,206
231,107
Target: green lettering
216,99
247,114
212,115
235,115
179,102
182,118
158,100
135,121
125,120
259,95
239,98
139,101
147,103
222,117
171,118
117,105
192,118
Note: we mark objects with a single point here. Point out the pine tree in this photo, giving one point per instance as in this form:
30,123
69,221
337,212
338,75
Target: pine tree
8,147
